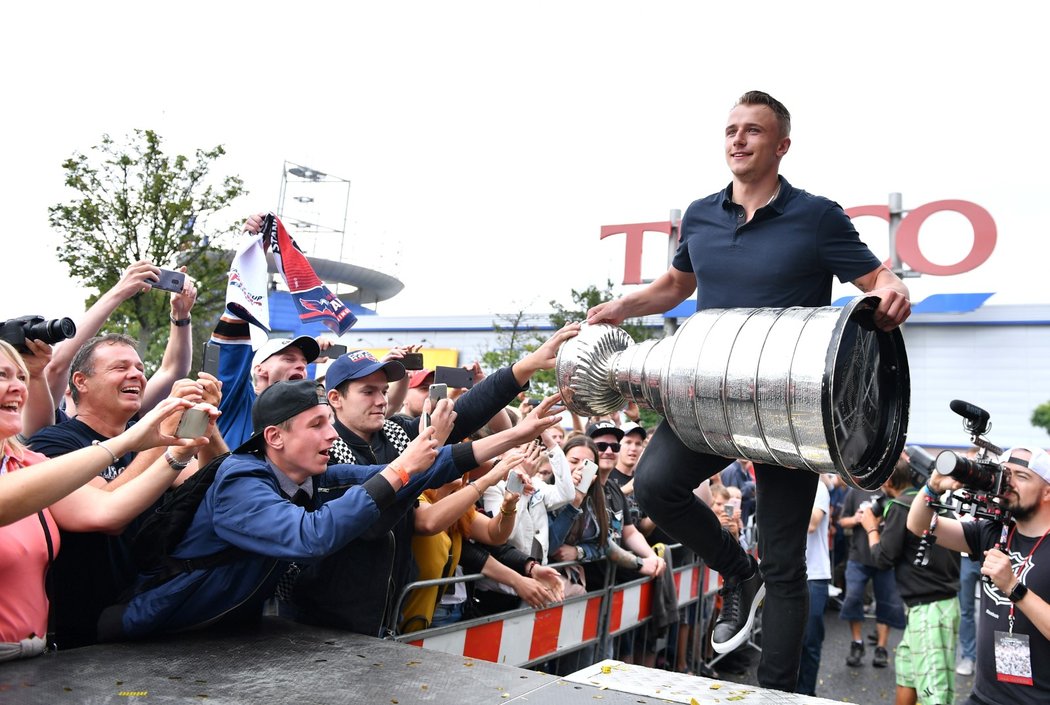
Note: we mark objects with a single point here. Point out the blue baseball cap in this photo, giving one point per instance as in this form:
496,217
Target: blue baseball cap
357,364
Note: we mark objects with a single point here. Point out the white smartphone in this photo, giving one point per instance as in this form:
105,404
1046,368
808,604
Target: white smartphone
193,424
590,469
515,483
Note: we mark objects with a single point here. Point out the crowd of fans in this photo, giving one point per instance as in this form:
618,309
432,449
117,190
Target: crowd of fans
489,483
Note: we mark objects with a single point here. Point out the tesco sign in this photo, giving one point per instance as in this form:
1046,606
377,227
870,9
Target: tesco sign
984,237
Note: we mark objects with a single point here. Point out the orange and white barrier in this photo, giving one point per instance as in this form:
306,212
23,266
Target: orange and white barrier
629,606
687,584
523,637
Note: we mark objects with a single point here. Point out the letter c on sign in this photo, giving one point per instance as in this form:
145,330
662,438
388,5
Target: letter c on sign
984,234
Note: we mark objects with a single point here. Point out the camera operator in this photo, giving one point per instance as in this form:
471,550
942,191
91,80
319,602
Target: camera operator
925,657
1014,629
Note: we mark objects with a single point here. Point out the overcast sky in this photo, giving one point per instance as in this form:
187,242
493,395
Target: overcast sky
488,142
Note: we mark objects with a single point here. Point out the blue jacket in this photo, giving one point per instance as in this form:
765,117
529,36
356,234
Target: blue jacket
245,508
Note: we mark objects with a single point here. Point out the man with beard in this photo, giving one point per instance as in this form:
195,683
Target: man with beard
1014,629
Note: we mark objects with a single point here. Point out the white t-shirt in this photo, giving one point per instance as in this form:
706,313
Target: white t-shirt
818,557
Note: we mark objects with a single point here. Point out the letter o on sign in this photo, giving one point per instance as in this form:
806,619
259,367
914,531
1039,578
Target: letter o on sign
984,234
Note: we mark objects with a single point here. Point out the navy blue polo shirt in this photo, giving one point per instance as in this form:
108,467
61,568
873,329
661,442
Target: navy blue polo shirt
785,256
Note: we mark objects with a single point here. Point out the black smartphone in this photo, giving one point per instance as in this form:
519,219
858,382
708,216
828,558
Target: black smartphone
211,360
456,377
413,361
437,393
170,281
334,351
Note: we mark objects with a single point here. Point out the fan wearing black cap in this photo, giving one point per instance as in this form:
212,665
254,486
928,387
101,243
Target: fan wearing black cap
357,385
264,509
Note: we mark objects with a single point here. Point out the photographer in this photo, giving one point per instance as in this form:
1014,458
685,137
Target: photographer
1014,629
925,657
860,568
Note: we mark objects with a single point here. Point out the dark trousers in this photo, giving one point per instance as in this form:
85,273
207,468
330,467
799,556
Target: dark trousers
666,476
813,641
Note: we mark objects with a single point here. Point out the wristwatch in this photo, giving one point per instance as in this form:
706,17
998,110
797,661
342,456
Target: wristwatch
639,562
1018,593
175,464
579,553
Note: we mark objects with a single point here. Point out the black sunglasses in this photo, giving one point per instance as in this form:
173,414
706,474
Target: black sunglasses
603,446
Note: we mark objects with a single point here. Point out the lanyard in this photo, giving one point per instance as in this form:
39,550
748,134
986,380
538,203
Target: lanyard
1020,568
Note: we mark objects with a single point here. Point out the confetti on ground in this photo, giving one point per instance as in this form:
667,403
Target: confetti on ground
679,687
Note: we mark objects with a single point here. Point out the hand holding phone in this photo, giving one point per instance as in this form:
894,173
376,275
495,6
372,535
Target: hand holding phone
455,377
170,281
590,470
334,351
211,360
412,361
514,483
437,393
194,423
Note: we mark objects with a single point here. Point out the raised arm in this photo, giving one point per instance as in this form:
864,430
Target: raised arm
136,278
949,532
90,508
39,409
178,353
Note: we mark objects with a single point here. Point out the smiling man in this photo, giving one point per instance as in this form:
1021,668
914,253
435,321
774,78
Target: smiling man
95,566
758,243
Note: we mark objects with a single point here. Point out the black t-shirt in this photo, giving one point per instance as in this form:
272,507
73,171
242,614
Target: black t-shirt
859,550
92,569
995,610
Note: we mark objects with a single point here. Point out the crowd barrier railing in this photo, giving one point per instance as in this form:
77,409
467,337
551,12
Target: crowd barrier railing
527,636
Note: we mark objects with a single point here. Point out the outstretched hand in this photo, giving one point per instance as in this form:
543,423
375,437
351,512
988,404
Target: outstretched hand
611,312
547,414
156,428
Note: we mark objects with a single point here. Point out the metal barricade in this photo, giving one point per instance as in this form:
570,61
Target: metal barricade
527,637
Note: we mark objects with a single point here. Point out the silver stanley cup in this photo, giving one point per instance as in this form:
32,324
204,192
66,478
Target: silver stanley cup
814,388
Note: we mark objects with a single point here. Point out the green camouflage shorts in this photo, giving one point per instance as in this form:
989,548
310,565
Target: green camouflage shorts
926,655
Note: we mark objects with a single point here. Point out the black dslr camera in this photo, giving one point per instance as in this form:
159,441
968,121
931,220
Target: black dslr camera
16,330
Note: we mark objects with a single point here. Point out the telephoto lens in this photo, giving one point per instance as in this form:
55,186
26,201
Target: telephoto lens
972,474
54,331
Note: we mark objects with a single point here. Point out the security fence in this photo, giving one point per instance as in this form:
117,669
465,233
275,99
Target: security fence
613,621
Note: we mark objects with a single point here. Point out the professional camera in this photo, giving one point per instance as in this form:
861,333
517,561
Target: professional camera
877,504
16,330
983,477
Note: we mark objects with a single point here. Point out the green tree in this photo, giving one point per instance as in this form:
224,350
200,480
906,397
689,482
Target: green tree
1041,416
133,202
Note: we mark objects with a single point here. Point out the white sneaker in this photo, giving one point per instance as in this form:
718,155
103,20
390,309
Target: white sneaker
964,667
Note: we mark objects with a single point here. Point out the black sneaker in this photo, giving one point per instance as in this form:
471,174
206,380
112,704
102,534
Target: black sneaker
740,601
856,653
882,658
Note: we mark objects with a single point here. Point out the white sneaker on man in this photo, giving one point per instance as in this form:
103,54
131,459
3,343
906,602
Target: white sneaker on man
964,667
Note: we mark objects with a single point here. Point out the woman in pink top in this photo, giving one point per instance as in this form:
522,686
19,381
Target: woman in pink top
28,534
